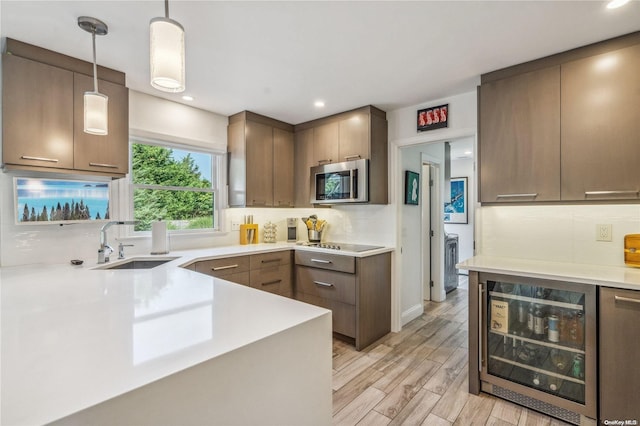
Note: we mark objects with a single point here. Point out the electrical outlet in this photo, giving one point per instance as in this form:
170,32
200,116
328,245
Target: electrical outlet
235,226
603,232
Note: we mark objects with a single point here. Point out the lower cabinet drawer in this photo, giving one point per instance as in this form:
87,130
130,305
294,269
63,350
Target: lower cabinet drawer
267,260
276,280
326,284
334,262
238,278
344,315
223,267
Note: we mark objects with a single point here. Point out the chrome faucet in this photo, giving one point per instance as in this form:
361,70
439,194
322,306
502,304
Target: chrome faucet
105,249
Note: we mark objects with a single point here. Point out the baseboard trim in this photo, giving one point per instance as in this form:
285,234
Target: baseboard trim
412,313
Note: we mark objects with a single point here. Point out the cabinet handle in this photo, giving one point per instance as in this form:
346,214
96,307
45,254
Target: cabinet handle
321,261
596,193
626,299
324,161
349,157
50,160
220,268
323,284
532,195
480,329
109,166
272,282
270,260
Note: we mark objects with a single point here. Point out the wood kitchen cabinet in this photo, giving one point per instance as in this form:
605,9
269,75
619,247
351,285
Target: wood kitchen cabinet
358,134
356,289
261,156
519,149
108,153
43,114
562,128
283,170
354,133
619,345
235,269
601,126
325,143
37,114
259,169
303,151
270,272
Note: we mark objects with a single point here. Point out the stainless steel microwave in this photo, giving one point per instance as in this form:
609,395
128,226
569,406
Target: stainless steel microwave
346,182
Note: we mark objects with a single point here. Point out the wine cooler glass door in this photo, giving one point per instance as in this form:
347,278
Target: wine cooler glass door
536,338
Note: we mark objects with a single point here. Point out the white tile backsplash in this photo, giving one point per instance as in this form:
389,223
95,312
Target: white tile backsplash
565,233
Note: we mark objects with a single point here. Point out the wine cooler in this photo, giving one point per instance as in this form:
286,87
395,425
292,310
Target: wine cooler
538,345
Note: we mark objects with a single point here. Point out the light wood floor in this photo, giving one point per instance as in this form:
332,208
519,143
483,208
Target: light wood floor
419,377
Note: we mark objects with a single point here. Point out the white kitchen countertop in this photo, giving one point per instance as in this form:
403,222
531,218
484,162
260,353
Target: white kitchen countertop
74,336
609,276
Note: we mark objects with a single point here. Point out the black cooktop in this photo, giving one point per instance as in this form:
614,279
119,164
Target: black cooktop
356,248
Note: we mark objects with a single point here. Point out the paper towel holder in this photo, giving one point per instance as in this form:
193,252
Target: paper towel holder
159,237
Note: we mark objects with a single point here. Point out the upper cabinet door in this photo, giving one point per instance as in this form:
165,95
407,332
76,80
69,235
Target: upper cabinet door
37,114
325,143
283,179
354,137
107,154
302,167
520,138
601,126
259,167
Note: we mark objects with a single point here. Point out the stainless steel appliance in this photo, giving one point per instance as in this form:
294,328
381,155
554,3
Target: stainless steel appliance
292,230
346,182
537,344
450,261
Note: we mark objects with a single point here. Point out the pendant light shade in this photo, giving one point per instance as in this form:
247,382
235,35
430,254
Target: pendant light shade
96,105
167,55
96,113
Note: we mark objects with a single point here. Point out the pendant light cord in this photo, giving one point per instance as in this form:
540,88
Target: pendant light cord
95,67
166,9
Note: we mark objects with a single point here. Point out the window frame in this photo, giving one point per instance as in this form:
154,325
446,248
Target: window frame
217,173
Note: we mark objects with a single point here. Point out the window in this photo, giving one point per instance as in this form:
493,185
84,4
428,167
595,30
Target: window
174,184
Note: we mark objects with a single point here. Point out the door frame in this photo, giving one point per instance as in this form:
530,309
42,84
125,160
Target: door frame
396,182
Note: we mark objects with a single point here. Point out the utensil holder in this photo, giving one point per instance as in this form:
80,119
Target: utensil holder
249,233
314,236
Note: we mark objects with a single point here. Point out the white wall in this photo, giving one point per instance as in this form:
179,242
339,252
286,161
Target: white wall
562,233
158,118
406,292
464,168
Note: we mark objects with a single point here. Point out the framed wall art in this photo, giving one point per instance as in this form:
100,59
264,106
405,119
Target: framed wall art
456,210
433,118
39,201
411,188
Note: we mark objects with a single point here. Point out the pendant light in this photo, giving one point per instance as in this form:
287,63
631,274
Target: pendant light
167,53
96,105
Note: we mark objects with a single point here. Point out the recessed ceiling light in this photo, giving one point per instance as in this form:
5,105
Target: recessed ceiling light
187,98
614,4
319,104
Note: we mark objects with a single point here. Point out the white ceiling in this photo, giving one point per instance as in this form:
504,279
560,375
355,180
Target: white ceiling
277,58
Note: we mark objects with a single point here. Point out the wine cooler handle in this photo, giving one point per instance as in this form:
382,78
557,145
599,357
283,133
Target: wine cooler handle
480,327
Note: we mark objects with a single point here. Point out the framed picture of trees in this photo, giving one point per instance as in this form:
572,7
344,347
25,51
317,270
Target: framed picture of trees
39,201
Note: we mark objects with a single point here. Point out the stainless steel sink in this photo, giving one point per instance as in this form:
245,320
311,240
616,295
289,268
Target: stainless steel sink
138,263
